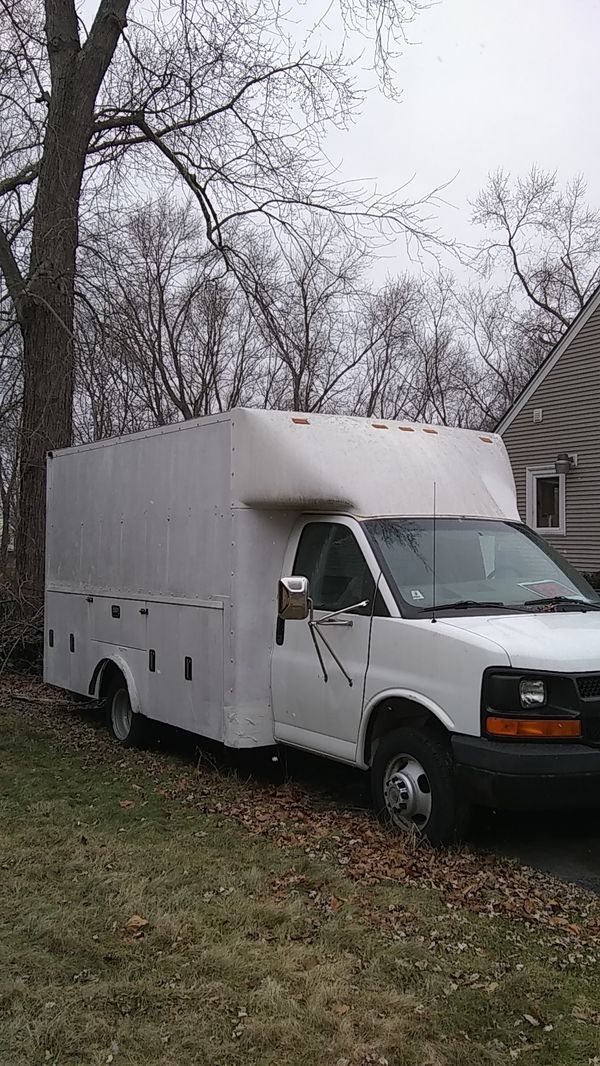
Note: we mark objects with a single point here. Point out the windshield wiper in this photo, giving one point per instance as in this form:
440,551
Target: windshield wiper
475,603
560,601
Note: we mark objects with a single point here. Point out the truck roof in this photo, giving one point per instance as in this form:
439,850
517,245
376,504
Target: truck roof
365,466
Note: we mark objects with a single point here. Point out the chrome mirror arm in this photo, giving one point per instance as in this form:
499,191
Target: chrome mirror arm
329,619
314,628
315,632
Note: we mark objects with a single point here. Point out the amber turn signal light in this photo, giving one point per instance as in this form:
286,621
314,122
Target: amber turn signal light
534,727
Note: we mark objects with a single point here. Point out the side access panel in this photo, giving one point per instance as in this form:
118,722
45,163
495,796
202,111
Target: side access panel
67,653
118,620
75,643
185,666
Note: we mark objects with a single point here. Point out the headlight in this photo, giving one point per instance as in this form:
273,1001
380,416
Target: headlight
532,693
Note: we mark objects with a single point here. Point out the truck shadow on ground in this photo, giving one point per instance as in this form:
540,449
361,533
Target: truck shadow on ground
564,843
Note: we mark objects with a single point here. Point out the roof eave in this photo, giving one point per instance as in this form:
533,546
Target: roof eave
549,362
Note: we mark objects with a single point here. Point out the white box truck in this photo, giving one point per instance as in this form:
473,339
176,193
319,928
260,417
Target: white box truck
264,577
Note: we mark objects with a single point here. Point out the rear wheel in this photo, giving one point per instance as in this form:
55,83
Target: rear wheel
413,787
126,726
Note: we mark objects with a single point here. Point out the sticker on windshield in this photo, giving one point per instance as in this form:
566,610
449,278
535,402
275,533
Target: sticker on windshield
416,595
543,589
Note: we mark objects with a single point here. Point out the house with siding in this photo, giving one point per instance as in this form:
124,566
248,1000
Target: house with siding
552,434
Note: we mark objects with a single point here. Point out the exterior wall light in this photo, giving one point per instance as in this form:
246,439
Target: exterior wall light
564,463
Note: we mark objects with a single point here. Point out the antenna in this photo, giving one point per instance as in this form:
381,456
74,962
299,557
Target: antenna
434,561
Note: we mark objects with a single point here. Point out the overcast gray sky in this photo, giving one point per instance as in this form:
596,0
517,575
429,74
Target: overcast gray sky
506,83
487,83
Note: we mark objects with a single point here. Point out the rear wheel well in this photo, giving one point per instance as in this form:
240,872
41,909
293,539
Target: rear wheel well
393,714
109,674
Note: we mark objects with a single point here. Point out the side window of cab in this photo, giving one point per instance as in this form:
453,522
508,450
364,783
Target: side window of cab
330,557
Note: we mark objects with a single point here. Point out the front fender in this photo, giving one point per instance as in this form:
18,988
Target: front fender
397,693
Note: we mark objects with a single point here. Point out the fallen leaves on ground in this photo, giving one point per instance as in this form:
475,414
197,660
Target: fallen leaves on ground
295,818
584,1014
136,926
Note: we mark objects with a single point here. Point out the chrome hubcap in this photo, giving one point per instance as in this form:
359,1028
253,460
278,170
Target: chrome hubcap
407,792
121,714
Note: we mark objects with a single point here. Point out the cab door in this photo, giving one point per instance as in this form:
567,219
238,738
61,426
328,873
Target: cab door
318,699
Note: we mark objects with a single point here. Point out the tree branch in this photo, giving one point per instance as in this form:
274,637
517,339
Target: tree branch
96,55
23,177
188,177
14,279
62,33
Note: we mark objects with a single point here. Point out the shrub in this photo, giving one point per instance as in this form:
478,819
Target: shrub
21,628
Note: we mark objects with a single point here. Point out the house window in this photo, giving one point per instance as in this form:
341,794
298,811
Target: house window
546,499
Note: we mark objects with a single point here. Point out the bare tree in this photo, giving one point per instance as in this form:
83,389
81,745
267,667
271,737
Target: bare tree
107,400
417,366
165,334
548,238
386,374
210,93
503,353
10,410
306,305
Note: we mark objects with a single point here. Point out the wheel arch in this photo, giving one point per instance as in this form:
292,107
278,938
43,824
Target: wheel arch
392,709
103,674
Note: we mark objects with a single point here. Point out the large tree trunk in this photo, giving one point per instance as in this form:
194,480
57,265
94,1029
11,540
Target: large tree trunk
47,329
5,531
47,421
47,303
7,500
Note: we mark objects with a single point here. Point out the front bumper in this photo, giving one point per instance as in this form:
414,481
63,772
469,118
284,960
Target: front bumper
532,774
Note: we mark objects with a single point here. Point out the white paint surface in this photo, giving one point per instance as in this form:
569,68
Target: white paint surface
369,467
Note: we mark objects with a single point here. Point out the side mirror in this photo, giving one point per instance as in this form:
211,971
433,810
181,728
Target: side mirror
293,600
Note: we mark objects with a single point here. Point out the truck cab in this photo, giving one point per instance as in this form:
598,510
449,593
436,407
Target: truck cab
456,659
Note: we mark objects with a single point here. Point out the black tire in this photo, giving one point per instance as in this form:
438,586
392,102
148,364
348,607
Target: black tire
427,804
128,730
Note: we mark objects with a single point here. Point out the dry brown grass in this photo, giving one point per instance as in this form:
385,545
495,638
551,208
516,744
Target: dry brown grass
254,953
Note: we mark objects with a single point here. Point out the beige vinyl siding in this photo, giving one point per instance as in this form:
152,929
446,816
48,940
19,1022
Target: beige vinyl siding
570,400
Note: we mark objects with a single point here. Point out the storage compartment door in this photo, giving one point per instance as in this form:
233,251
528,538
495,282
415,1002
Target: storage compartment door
185,678
113,620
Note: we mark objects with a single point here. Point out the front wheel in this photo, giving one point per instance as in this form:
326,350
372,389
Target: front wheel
125,726
413,787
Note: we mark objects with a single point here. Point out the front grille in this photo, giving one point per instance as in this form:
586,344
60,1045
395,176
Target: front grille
589,687
591,730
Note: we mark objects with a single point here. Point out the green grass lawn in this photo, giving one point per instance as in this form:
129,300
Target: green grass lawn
259,948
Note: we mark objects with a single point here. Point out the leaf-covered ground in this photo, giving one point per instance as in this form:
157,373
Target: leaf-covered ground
156,910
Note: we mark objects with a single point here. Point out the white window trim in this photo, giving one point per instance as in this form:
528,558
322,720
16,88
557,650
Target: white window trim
533,473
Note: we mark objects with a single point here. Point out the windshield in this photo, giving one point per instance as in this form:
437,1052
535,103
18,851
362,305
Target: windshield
488,562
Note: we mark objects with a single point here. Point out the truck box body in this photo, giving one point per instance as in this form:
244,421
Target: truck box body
146,555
